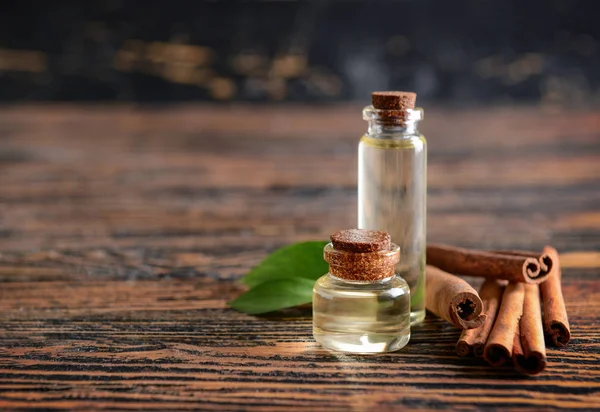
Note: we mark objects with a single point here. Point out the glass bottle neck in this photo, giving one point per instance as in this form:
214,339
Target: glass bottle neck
392,123
378,129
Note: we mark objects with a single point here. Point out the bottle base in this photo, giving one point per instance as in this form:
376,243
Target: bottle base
362,343
417,317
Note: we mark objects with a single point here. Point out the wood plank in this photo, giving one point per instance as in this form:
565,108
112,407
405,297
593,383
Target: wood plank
123,231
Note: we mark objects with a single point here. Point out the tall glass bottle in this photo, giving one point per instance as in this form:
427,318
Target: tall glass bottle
392,185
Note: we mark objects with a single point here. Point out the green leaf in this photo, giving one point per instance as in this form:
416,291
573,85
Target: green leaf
417,295
300,260
274,295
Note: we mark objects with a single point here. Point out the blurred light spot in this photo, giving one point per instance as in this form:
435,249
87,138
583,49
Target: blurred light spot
125,60
523,68
127,56
489,67
564,91
159,52
248,63
179,72
511,73
22,60
276,88
222,88
324,83
289,65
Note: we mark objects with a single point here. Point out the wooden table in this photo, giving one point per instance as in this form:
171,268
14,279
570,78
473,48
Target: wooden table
123,232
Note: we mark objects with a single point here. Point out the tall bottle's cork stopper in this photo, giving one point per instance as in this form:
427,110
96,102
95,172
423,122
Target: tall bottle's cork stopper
361,255
394,100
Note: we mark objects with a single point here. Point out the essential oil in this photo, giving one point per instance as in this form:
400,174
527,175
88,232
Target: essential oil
392,185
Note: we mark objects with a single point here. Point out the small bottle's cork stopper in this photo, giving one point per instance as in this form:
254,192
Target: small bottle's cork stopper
361,255
361,240
394,100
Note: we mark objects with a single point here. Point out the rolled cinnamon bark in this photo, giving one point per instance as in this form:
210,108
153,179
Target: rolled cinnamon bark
545,260
499,346
473,340
517,347
463,346
471,262
556,322
529,351
453,299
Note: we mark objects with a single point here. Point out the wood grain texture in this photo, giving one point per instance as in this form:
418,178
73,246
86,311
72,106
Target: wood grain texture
123,231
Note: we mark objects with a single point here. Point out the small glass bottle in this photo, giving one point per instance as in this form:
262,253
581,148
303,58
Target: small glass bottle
361,305
392,184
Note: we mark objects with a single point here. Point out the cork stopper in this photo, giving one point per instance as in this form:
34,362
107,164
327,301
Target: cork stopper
361,255
361,240
393,108
393,100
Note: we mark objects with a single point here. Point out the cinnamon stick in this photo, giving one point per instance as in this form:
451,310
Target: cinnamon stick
545,260
473,340
471,262
517,347
499,346
453,299
529,350
556,322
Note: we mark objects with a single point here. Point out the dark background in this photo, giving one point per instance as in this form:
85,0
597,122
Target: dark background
449,52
